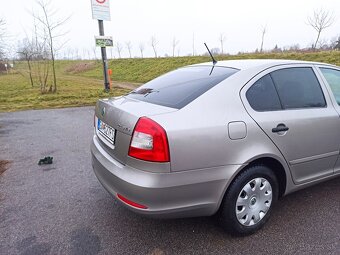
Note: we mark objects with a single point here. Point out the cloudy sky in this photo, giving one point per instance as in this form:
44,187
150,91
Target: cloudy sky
134,20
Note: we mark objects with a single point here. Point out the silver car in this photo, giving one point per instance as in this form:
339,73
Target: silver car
228,138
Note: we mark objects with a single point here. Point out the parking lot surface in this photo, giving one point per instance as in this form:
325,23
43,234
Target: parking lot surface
62,208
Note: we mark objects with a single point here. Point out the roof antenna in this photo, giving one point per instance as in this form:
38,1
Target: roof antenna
214,60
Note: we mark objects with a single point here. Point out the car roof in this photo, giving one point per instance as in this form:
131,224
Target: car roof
243,64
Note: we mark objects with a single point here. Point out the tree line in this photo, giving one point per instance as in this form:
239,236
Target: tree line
320,20
41,47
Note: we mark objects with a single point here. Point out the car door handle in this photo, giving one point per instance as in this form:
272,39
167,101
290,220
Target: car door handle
280,128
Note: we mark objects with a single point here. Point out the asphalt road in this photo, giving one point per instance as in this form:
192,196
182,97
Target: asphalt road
62,208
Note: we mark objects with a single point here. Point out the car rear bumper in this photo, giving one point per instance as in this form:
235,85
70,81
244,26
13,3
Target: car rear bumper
167,195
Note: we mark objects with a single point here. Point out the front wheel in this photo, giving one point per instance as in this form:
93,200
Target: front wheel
247,205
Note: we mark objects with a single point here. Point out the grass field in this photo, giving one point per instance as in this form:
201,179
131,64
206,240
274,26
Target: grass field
142,70
80,82
16,92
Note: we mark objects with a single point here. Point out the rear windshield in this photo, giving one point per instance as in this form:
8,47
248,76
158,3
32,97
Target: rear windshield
178,88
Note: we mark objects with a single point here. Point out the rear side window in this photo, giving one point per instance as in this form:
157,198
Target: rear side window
180,87
333,78
298,88
262,96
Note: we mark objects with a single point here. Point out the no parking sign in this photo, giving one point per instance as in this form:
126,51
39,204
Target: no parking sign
101,9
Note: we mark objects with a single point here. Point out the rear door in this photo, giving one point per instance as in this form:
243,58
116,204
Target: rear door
331,77
290,106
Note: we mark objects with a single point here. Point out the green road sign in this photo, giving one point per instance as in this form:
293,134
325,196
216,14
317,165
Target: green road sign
104,41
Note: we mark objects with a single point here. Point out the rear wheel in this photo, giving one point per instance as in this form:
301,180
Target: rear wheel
247,205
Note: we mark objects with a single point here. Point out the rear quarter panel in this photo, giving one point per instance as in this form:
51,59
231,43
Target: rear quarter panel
198,133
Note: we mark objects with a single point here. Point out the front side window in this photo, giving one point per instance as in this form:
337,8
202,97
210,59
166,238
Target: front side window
298,88
333,78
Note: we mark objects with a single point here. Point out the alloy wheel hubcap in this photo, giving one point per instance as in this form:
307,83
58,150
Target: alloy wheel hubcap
253,202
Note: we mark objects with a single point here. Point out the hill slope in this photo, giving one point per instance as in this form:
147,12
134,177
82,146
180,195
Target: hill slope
80,82
143,70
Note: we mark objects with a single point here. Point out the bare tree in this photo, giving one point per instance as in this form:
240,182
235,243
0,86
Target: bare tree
88,54
193,44
42,64
2,28
84,54
141,48
215,51
76,53
336,45
276,49
324,44
222,39
119,49
41,57
26,52
35,52
154,43
174,45
111,52
264,31
294,48
94,51
72,54
319,21
129,47
52,26
68,54
333,42
2,36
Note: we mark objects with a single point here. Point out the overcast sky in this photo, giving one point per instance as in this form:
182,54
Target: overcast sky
136,21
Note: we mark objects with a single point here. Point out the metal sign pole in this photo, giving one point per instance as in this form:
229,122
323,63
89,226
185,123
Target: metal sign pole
104,57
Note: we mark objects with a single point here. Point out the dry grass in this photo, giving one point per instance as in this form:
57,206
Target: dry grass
17,94
4,165
80,67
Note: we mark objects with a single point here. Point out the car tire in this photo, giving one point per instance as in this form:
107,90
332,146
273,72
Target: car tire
249,200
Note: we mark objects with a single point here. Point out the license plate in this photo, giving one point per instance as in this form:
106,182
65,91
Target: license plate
106,131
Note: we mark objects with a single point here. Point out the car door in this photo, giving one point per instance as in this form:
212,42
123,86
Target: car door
290,106
331,77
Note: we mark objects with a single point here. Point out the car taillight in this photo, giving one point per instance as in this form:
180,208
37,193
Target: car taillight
149,142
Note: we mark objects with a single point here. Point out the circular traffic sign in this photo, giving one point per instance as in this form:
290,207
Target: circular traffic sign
101,1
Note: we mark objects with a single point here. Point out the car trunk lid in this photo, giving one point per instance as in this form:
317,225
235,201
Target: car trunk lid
122,114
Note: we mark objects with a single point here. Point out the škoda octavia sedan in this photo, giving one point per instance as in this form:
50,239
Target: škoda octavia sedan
228,137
